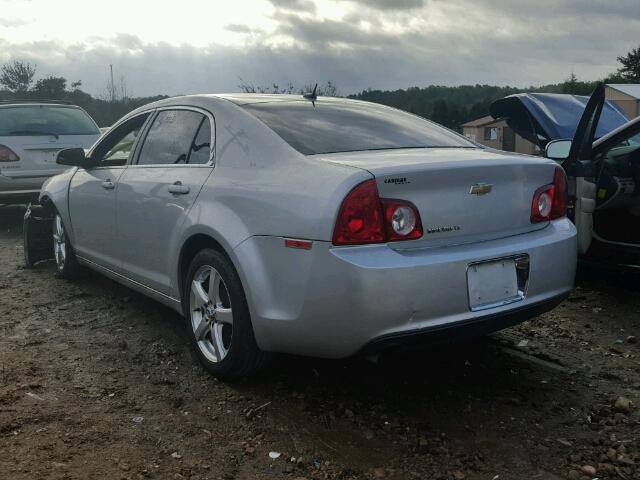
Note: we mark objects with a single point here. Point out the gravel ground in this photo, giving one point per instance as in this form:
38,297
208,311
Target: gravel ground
96,381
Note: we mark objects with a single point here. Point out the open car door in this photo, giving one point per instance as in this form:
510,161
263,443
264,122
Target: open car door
576,157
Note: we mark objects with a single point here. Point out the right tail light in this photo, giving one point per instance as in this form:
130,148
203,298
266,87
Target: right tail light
550,201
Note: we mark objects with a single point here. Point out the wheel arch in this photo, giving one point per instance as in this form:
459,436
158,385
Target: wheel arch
190,248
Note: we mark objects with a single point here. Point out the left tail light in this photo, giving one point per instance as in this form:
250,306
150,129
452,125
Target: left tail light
366,218
8,155
550,201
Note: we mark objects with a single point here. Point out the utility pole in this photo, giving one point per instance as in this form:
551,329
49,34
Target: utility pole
113,85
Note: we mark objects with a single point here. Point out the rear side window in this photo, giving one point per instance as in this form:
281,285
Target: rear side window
45,120
170,140
345,126
201,148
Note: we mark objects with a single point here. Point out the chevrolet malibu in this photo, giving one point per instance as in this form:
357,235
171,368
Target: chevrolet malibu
315,226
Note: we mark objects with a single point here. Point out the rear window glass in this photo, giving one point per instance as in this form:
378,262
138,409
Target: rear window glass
332,127
45,120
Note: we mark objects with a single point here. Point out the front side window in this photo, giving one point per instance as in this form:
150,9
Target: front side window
347,126
33,120
116,147
170,140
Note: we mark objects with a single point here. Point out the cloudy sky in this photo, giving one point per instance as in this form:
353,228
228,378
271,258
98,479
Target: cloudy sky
195,46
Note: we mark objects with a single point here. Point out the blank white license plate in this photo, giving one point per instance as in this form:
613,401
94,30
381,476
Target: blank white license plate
492,282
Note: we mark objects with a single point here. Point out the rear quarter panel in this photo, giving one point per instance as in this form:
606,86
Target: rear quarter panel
261,186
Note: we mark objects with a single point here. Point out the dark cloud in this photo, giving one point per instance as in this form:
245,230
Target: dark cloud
389,4
294,5
238,28
446,42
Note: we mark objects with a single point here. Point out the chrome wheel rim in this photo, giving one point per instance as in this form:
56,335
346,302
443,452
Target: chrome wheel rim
211,314
59,242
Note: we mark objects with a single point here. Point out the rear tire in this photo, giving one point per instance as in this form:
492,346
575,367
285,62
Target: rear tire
66,262
217,318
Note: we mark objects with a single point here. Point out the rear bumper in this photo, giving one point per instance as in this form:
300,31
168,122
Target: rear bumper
20,190
333,302
464,329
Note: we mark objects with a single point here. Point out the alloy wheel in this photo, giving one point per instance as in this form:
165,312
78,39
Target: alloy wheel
211,313
59,242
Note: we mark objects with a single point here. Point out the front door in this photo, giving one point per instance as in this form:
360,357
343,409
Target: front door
617,215
156,193
92,195
580,169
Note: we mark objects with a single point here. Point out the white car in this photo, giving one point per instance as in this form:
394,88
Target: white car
31,135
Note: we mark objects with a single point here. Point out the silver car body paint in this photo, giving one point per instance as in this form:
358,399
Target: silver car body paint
327,301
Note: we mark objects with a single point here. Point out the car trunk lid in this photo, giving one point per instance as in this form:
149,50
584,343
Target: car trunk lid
38,153
463,195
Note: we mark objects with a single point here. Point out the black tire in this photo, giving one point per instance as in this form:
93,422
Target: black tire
68,268
243,357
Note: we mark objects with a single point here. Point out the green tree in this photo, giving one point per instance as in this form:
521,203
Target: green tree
570,85
51,87
17,76
630,69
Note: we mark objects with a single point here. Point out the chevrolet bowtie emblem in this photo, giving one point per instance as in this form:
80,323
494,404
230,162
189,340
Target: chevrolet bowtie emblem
480,189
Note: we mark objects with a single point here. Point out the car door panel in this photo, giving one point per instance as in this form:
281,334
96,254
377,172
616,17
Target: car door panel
93,214
155,195
584,209
152,204
580,169
93,192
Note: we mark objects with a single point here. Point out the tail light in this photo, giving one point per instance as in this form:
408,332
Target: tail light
550,201
8,155
402,220
365,218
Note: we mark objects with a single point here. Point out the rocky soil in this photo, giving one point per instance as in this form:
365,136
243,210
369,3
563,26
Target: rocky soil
97,382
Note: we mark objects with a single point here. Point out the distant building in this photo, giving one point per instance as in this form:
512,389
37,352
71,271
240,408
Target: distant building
497,134
626,96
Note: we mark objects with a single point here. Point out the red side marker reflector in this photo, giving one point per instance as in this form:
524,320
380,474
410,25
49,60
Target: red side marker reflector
292,243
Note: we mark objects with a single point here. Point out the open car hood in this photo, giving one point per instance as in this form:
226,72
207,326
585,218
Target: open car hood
542,117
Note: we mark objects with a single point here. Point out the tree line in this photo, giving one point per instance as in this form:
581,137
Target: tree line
449,106
17,83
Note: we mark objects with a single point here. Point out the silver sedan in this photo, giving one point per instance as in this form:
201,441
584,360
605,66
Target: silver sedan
323,227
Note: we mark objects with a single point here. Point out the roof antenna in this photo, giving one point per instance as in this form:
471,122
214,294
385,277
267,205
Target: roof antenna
313,96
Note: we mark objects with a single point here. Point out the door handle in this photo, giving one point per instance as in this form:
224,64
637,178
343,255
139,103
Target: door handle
108,185
178,188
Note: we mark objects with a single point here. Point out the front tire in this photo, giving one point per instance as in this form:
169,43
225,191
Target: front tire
66,262
218,319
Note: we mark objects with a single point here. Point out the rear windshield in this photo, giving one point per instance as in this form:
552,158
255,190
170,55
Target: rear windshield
45,120
332,127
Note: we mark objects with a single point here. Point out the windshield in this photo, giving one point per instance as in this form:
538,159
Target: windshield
348,126
45,120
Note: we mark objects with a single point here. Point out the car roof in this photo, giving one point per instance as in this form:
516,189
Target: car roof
238,99
248,98
13,104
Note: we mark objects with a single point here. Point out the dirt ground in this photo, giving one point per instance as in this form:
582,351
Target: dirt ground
97,381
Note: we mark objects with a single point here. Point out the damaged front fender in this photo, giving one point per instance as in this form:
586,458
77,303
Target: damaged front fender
37,234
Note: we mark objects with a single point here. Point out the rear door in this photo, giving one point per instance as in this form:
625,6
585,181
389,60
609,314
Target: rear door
155,194
580,169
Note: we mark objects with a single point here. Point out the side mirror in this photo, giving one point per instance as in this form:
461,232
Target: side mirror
558,149
73,157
